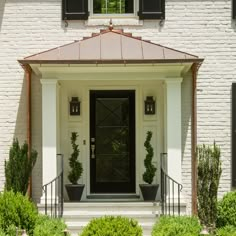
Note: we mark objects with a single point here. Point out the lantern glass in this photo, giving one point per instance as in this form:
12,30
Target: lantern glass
74,106
150,106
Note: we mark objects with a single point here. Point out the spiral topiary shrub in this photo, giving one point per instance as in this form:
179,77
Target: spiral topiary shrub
75,165
176,226
226,210
112,226
18,211
149,174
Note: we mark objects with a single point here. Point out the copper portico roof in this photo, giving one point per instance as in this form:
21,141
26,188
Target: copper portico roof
110,47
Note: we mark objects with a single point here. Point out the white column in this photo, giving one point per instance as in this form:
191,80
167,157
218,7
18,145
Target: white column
49,131
173,128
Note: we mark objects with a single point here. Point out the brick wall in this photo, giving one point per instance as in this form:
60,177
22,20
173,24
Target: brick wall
203,28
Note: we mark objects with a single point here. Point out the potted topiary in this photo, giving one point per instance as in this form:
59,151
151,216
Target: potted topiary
149,190
74,189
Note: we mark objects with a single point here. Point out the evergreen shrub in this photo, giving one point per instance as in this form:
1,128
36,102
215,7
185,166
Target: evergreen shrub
18,168
176,226
46,226
75,165
18,211
150,171
209,172
112,226
226,210
228,230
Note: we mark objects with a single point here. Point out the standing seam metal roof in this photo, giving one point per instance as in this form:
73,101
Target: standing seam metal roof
110,46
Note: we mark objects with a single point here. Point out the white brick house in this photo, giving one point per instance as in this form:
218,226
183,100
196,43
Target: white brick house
202,28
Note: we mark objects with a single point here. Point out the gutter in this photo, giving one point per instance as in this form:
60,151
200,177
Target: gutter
194,68
28,73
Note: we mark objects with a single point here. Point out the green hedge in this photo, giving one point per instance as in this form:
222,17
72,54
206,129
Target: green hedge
17,210
176,226
226,210
112,226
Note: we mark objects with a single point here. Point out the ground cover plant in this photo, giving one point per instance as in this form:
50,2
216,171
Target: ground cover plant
176,226
49,226
112,226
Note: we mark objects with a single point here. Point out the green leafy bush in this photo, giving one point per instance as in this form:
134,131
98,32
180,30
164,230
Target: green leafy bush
226,210
49,226
17,210
209,172
112,226
176,226
19,167
228,230
2,233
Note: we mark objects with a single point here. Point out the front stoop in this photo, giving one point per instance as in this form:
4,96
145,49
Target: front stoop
78,215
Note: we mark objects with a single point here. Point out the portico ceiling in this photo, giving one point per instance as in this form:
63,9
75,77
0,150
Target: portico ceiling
111,46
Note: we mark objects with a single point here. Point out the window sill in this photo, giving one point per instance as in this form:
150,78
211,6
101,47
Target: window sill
121,21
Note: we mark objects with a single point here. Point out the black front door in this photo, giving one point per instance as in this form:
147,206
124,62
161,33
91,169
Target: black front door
112,141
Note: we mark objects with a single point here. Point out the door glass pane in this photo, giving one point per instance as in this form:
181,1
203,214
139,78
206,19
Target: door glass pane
112,6
112,140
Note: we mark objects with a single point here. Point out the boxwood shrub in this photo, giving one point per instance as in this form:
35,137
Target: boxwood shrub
17,210
112,226
228,230
49,226
226,210
176,226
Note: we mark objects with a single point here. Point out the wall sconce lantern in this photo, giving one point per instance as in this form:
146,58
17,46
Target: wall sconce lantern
74,106
150,106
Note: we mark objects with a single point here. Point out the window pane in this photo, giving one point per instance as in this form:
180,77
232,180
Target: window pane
112,6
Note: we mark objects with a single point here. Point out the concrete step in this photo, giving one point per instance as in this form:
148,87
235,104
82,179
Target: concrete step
77,215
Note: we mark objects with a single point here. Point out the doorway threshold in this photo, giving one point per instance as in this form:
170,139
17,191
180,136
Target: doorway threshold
113,197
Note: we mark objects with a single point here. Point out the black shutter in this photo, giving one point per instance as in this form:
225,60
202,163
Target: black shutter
233,144
234,9
151,9
75,9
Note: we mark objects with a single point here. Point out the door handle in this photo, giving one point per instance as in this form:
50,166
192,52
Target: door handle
93,151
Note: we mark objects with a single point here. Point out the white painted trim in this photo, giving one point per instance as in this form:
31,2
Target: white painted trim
174,128
49,131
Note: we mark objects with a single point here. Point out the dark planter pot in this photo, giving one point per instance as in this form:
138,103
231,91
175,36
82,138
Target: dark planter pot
74,191
149,191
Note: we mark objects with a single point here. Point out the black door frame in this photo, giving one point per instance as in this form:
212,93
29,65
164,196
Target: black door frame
111,187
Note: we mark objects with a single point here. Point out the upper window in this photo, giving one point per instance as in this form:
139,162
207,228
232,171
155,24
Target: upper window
113,6
78,9
234,9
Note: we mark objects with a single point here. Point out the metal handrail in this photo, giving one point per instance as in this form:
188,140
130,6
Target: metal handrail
168,186
56,190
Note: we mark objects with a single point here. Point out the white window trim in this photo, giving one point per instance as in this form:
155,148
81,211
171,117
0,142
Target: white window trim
128,15
117,19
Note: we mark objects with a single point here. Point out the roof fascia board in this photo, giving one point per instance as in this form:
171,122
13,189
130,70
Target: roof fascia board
134,72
